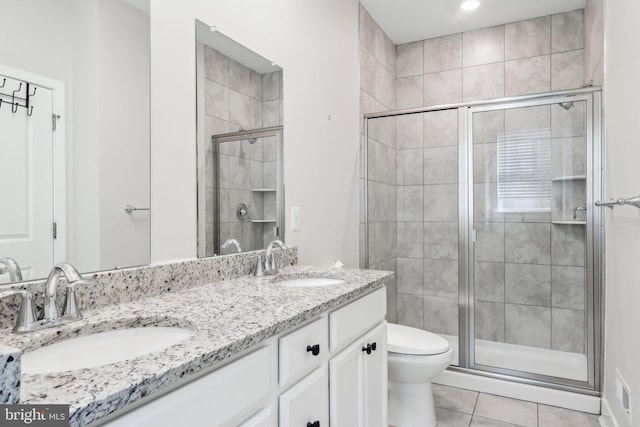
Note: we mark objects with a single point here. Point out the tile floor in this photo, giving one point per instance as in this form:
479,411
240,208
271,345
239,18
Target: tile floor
456,407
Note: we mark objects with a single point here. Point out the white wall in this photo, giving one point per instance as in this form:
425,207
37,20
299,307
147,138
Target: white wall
123,129
316,43
622,86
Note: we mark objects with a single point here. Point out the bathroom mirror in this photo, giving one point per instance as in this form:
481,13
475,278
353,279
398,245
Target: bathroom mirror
239,128
74,135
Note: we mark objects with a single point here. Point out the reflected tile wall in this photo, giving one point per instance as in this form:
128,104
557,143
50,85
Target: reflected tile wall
238,97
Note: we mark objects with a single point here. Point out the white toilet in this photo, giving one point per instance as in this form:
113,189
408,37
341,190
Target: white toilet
415,358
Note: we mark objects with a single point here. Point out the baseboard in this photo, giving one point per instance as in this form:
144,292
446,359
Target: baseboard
607,419
547,396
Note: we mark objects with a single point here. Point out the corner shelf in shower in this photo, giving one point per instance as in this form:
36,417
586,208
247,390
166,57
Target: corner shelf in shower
569,222
263,221
263,190
570,178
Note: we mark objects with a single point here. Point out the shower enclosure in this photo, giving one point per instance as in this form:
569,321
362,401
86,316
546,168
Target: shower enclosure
485,210
242,205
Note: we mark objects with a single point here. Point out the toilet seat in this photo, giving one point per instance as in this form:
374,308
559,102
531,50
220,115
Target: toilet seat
407,340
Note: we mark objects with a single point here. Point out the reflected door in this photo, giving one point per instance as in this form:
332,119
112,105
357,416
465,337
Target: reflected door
26,174
529,289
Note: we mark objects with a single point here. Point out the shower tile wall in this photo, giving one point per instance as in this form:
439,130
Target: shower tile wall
237,97
378,93
537,55
514,251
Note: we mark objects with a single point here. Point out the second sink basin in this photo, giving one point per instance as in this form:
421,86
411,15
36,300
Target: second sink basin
309,282
101,349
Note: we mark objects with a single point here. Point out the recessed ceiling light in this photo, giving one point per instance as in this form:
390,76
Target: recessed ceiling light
469,5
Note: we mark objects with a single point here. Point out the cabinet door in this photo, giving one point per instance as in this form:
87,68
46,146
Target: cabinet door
345,390
306,402
374,378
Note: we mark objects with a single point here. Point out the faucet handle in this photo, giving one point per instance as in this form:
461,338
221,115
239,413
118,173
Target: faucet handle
26,317
71,309
273,267
259,267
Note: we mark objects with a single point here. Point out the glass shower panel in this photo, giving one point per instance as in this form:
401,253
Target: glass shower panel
412,208
529,277
241,198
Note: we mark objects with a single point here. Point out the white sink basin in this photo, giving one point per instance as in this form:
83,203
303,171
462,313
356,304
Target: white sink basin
309,282
101,349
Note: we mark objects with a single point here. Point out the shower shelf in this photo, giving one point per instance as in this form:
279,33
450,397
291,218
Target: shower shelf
263,190
569,222
569,178
263,220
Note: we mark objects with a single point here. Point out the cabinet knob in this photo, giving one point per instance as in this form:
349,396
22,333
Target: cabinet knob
370,347
315,350
313,424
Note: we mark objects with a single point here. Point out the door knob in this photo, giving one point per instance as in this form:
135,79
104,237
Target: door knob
315,349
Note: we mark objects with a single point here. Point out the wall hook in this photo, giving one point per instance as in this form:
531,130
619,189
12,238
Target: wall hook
4,82
14,107
34,92
13,95
30,112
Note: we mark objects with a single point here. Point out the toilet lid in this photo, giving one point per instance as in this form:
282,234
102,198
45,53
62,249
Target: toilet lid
407,340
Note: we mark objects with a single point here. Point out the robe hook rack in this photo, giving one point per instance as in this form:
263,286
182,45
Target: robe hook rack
17,99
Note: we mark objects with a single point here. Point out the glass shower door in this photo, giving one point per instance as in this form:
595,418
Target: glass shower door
530,284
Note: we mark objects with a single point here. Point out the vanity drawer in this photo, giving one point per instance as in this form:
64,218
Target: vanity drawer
356,318
306,403
301,351
216,399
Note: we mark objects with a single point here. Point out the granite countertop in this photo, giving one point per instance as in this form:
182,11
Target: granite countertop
227,317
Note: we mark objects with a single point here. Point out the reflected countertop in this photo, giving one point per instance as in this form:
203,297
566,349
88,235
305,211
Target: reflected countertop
228,318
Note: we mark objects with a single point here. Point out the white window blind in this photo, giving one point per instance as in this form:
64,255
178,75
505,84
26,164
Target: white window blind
524,171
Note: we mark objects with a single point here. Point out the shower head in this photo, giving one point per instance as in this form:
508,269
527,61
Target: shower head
566,105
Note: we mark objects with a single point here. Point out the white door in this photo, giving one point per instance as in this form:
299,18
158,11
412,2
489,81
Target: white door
374,377
345,388
26,176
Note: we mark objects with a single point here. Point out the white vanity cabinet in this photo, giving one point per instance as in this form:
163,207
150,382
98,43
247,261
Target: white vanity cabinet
331,371
358,373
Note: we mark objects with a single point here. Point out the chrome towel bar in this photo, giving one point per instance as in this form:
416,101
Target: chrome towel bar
128,209
631,201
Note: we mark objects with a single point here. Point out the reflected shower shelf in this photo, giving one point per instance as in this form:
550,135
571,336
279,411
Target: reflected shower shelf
569,178
263,190
263,220
569,222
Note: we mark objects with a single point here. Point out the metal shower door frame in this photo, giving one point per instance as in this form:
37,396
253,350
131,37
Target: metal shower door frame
592,96
593,243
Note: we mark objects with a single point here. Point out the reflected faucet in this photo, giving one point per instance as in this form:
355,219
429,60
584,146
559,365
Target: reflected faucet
233,242
9,265
269,259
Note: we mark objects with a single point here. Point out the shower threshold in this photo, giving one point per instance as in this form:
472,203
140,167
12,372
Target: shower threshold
555,363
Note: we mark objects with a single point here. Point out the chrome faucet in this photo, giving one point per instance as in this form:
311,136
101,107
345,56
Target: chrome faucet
233,242
51,314
270,265
71,312
9,265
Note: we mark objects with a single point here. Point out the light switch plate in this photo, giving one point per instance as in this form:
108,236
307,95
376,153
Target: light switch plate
295,218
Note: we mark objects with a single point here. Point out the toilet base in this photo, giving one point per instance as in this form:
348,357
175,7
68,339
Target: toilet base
411,405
